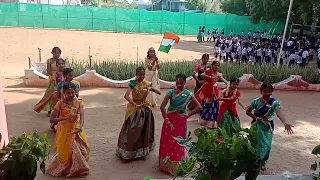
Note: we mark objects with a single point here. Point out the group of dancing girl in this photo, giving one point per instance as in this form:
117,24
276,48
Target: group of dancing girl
136,140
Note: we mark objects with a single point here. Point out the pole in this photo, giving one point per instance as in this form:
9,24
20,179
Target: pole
285,32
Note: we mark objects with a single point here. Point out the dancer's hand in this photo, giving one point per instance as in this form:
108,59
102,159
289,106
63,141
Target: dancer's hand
76,131
73,117
288,128
168,123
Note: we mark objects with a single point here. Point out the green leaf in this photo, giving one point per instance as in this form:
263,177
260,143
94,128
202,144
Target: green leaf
314,166
30,164
7,164
43,167
204,175
316,150
224,133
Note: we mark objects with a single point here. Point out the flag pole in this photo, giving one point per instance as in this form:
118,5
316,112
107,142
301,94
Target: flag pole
284,33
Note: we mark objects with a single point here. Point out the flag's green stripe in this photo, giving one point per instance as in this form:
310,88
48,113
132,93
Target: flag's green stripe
165,49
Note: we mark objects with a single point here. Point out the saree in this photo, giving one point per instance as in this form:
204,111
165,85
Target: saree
72,150
170,152
136,138
207,97
153,77
264,128
228,117
47,103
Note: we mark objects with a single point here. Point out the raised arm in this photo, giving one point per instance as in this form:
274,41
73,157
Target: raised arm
240,104
223,79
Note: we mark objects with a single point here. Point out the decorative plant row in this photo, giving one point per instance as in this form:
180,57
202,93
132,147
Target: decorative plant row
265,73
34,76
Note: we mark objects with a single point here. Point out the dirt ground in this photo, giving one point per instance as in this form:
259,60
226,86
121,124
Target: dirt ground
105,108
17,44
104,115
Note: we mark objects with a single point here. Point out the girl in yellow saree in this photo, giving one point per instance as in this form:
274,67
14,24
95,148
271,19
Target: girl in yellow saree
136,139
71,142
46,103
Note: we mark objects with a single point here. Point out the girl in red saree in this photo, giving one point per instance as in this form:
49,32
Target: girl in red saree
208,94
175,124
228,116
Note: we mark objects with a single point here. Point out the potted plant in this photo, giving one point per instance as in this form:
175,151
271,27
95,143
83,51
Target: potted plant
217,156
316,165
19,159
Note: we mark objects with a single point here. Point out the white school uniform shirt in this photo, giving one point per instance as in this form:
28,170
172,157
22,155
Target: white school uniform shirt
259,52
244,51
305,54
269,52
239,50
228,49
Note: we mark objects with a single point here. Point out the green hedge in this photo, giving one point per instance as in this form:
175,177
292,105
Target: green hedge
264,73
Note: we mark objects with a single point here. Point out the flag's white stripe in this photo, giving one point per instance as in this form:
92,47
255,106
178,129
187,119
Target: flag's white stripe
166,42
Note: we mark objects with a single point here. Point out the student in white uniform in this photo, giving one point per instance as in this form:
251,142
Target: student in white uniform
305,56
259,55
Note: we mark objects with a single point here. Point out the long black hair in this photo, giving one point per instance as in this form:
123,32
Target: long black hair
56,49
182,76
266,86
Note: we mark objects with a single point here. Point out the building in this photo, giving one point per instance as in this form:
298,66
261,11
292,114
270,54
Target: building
171,5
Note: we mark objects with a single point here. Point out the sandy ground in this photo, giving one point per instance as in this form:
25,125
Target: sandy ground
105,108
17,44
104,115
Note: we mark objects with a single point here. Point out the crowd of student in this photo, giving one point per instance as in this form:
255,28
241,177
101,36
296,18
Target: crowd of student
261,47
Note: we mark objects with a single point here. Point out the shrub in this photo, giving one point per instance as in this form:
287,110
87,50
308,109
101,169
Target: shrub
265,73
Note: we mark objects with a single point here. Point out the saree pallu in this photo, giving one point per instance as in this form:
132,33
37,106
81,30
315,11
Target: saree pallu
170,152
136,138
48,101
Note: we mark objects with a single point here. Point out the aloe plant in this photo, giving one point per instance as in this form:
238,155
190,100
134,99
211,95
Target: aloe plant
216,155
124,70
19,158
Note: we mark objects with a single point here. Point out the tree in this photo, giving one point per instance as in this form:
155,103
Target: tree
303,11
238,7
195,4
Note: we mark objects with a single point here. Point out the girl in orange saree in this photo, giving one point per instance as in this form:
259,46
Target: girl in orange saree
175,124
71,142
46,104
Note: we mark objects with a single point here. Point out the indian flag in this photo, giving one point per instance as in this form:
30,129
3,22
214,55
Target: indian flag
168,40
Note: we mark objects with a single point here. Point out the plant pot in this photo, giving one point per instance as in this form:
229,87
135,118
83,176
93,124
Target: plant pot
11,175
8,176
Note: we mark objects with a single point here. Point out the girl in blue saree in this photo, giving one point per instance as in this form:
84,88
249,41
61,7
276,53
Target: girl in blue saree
264,109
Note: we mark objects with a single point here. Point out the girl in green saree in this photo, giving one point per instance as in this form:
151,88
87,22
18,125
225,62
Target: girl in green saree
264,108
